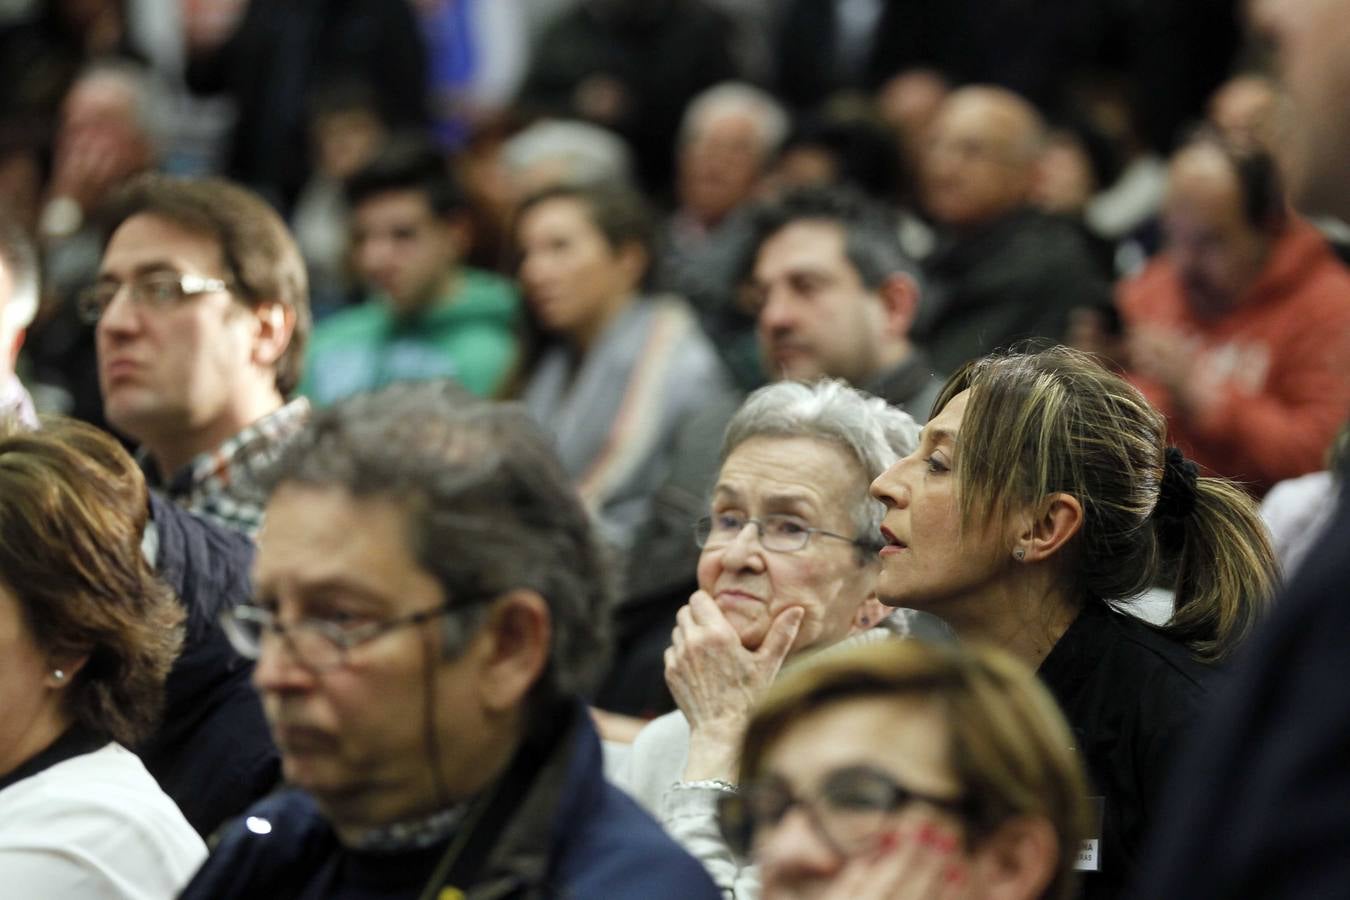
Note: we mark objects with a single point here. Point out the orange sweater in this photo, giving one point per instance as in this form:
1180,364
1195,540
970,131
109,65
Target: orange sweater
1281,357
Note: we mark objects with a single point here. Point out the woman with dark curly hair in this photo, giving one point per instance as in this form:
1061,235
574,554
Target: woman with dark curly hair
87,637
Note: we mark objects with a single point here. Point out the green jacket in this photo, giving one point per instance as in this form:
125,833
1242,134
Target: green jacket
470,336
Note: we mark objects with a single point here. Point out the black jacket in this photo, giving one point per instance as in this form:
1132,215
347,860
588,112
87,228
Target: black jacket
1016,278
1131,696
213,753
1260,805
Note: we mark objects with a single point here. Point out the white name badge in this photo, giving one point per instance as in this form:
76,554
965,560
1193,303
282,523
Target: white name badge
1089,857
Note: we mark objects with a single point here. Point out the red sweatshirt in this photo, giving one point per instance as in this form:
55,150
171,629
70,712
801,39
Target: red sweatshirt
1281,358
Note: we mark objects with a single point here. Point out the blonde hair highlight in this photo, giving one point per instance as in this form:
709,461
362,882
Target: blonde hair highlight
1056,421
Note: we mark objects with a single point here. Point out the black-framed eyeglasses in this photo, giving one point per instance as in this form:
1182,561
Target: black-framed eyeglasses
155,291
850,810
318,644
778,533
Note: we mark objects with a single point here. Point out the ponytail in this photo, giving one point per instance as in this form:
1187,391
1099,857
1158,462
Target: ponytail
1223,567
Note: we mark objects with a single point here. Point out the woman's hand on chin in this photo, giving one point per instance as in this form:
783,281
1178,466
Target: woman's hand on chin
716,681
918,861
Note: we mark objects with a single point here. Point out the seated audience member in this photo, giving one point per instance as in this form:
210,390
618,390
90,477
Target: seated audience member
431,604
1001,271
429,316
346,133
18,305
728,139
87,636
788,566
111,128
910,770
836,295
618,372
1042,498
632,68
1240,331
211,751
202,314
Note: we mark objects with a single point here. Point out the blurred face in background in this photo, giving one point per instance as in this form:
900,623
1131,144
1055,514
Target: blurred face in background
403,249
980,162
1218,252
816,317
720,166
574,280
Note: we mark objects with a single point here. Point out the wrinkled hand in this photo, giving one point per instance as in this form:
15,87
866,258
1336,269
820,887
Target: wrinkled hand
918,861
716,681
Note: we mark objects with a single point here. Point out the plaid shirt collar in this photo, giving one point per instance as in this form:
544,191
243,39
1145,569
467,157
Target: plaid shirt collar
224,485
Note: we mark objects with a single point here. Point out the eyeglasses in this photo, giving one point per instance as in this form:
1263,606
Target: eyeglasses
849,811
319,644
158,291
778,533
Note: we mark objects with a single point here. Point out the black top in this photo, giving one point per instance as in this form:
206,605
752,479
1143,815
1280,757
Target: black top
1259,808
75,741
1130,695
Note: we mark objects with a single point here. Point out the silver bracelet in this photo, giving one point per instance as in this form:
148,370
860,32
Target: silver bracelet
712,784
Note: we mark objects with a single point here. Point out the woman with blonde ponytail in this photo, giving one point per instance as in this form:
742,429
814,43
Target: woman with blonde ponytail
1042,499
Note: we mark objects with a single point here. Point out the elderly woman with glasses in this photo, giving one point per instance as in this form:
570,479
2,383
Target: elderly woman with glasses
788,566
910,771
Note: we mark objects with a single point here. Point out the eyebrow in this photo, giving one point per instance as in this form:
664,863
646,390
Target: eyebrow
328,586
148,268
770,501
938,435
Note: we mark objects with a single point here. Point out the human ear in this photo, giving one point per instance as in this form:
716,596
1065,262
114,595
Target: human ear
899,304
1048,527
276,324
632,259
1018,861
514,651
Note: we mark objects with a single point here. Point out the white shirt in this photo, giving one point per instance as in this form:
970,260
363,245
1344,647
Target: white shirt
91,827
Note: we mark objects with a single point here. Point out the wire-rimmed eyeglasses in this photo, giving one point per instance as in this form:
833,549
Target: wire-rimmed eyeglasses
155,291
849,811
318,644
778,533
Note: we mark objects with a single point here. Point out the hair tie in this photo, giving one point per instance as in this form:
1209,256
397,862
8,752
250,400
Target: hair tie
1177,493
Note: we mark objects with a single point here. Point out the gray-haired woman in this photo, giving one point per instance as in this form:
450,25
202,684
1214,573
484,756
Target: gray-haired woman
788,566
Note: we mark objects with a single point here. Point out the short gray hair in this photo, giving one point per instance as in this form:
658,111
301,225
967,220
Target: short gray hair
489,508
874,432
587,153
737,97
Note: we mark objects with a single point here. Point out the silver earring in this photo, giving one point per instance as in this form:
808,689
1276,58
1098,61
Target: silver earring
1019,554
58,675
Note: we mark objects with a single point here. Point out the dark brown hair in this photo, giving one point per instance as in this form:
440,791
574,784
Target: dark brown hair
262,262
72,511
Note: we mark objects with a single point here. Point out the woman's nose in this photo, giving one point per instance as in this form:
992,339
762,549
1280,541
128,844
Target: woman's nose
793,852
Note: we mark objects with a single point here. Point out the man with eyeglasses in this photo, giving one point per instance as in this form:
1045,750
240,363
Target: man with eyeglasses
430,604
201,313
